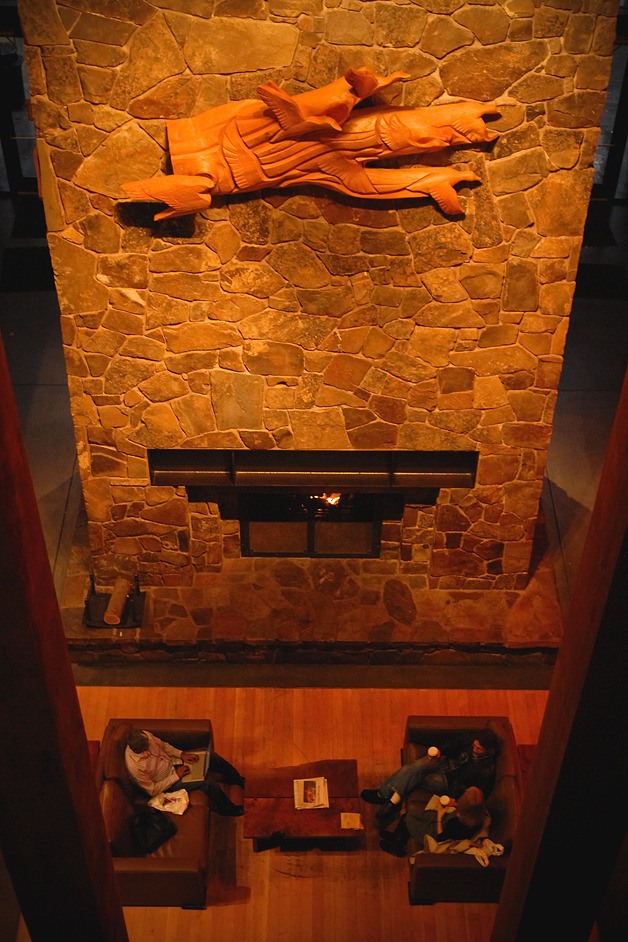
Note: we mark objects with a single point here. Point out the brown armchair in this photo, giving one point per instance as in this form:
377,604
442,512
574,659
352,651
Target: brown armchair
176,873
460,878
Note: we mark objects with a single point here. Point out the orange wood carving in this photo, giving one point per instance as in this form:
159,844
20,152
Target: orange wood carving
315,138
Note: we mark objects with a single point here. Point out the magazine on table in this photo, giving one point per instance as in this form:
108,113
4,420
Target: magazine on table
310,793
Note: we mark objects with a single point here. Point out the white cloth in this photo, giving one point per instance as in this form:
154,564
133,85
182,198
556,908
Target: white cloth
173,802
484,850
481,848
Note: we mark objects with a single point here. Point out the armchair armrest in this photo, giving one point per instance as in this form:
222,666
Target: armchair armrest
151,881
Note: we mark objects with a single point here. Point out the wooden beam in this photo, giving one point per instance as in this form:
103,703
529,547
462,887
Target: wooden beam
569,840
53,837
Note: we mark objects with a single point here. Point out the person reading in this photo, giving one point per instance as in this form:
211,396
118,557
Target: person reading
467,820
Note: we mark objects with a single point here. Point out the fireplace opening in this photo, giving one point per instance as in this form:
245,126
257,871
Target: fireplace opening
312,503
325,524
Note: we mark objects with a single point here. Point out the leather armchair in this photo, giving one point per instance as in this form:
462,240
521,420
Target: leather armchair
176,873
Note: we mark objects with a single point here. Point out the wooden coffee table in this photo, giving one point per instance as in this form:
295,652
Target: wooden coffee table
269,813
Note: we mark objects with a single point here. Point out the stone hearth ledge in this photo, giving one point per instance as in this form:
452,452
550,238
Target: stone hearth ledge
222,623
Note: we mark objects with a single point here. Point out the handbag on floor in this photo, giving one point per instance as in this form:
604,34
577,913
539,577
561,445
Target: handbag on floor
150,829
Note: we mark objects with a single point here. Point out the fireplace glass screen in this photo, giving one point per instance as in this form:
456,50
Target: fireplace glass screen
325,524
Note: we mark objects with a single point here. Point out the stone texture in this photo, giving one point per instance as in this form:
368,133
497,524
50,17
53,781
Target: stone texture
126,154
299,265
260,45
237,400
154,55
487,73
84,294
306,320
440,247
488,25
43,26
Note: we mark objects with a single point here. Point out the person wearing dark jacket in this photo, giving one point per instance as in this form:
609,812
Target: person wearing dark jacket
463,761
458,820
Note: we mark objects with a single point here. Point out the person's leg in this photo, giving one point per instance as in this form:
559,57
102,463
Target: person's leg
391,789
435,782
423,771
400,783
405,780
395,842
229,773
221,803
372,796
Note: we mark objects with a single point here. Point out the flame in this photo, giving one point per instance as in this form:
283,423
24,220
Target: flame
332,499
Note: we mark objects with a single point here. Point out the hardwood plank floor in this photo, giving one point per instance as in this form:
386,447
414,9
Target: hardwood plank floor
308,895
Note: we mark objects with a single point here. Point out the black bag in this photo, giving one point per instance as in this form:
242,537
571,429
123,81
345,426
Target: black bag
150,829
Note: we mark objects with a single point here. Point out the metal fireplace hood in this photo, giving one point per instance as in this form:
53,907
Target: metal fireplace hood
345,470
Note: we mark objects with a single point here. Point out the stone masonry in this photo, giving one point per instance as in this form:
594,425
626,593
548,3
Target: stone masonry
301,319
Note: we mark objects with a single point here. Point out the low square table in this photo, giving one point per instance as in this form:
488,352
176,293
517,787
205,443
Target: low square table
270,815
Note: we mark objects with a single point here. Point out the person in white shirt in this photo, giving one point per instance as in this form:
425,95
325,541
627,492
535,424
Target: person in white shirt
157,766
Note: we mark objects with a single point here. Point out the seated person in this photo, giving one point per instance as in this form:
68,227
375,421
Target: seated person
465,760
156,767
468,819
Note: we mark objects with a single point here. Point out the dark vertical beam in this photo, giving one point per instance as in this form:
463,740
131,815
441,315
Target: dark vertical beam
52,832
570,835
11,97
619,135
10,151
612,920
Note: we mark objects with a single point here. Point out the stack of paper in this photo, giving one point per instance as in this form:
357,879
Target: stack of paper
310,793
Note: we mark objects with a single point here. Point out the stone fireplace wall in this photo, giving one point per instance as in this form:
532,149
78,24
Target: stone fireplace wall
303,319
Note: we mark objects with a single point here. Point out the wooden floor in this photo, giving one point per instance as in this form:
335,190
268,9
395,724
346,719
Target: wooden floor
308,895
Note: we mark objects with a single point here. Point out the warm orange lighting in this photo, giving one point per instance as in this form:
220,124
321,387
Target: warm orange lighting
331,499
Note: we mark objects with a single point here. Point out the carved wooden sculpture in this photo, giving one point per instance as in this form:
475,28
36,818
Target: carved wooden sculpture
315,138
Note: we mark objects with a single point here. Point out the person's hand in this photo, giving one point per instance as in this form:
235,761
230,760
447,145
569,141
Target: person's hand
189,756
182,770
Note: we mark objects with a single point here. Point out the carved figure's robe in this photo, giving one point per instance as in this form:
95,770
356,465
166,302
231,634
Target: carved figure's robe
315,138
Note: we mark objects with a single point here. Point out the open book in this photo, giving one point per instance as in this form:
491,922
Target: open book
310,793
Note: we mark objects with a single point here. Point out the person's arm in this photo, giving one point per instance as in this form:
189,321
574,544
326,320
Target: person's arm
453,830
152,788
138,774
166,747
485,827
440,814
